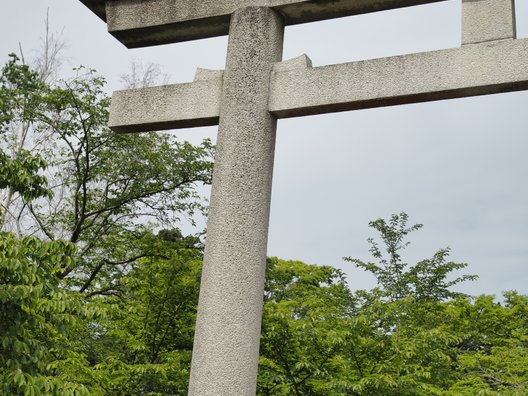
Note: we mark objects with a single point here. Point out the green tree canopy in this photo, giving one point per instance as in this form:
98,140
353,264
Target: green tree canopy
427,279
79,205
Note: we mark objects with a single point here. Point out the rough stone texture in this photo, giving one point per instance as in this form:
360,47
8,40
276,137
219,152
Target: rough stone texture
487,20
138,23
226,346
479,69
208,75
298,89
168,107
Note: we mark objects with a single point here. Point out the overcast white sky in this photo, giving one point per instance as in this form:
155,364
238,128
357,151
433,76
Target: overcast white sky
459,167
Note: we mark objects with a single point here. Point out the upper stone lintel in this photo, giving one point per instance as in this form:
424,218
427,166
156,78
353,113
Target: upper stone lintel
142,23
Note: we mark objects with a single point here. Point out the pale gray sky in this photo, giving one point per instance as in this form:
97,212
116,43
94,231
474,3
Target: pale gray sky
457,166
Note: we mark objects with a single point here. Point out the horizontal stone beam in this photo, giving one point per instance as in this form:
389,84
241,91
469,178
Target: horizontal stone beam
168,107
298,89
141,23
477,69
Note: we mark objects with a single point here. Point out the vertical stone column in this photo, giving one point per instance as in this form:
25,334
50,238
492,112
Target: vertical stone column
226,346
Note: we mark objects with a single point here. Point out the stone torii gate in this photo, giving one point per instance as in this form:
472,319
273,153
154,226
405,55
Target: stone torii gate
247,98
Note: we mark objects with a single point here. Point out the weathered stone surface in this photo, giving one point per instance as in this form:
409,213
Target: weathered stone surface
480,69
208,75
138,23
226,346
298,89
168,107
487,20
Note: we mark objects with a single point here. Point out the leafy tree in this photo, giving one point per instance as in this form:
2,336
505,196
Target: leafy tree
491,354
21,100
144,346
425,280
38,320
411,336
104,186
319,338
37,316
304,327
417,336
86,196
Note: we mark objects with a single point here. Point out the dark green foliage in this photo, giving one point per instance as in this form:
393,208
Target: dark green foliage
38,320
